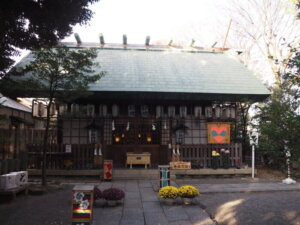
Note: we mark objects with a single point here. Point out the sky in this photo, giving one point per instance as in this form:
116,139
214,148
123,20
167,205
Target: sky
163,20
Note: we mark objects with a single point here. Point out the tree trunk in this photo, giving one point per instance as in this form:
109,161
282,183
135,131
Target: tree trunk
45,144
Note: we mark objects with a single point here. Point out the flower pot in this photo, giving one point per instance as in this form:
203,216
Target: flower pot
187,201
111,202
169,201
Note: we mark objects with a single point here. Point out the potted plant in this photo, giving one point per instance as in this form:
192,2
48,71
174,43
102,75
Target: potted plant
187,193
112,195
97,195
169,193
215,159
225,158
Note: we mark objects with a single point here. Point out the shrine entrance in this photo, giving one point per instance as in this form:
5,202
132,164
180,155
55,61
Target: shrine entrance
137,135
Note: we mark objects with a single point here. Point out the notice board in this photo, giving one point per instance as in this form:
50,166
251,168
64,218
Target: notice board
82,204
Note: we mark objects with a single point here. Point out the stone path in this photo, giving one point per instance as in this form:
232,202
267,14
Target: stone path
142,206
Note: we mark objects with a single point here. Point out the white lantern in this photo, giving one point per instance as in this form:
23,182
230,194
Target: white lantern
227,112
159,111
90,110
232,112
198,111
144,111
171,111
74,108
52,109
218,111
41,109
208,111
115,110
62,109
103,110
131,110
183,111
35,109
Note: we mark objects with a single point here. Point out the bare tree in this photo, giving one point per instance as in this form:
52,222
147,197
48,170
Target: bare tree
264,29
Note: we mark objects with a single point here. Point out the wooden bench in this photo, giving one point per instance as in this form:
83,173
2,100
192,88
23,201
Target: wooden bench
138,159
14,191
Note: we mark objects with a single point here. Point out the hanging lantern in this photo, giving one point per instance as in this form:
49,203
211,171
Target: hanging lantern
115,110
103,110
227,112
159,111
117,139
113,125
183,111
218,112
144,111
90,110
41,109
198,111
139,135
131,110
149,139
208,111
232,112
35,108
171,111
74,108
62,109
123,135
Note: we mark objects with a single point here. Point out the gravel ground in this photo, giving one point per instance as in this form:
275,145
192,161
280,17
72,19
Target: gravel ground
259,208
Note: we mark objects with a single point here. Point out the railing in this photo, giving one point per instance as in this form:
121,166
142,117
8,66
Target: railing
201,154
80,157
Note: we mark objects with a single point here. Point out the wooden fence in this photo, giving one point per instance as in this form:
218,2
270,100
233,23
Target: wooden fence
80,157
201,154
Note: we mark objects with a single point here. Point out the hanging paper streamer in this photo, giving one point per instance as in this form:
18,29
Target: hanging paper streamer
128,126
113,125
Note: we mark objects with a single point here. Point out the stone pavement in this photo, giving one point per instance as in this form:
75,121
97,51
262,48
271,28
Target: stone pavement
142,206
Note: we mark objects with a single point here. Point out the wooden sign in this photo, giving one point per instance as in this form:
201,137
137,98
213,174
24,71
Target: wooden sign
218,133
180,165
82,204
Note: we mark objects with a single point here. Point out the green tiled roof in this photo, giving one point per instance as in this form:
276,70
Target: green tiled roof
168,71
173,71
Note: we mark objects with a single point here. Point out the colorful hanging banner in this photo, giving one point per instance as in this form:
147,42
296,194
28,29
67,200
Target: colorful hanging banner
218,133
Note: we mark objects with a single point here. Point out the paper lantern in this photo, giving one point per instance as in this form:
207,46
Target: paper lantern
208,111
232,112
35,109
198,111
131,110
41,110
218,112
144,111
74,108
115,110
90,110
159,111
171,111
183,111
102,110
62,109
